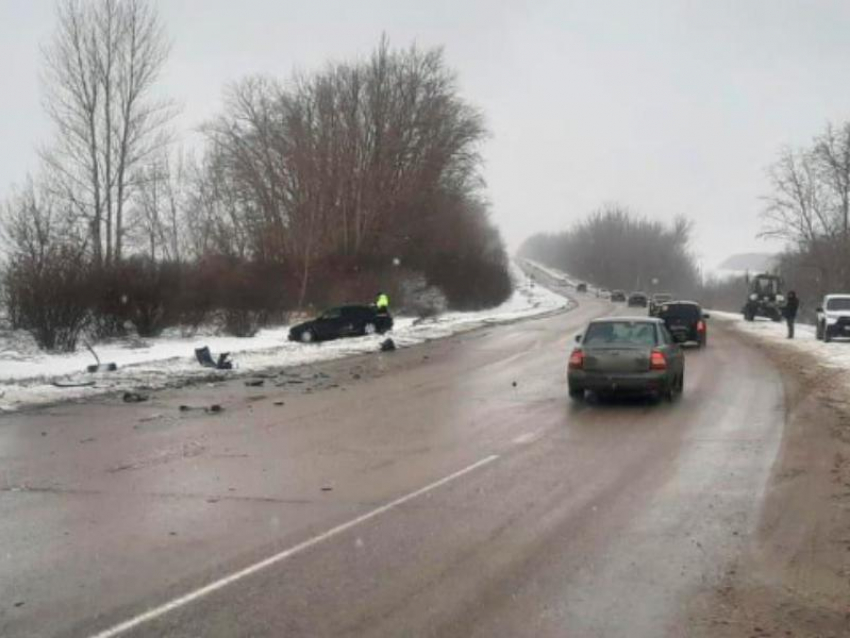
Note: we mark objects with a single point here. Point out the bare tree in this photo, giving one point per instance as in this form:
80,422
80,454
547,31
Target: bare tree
100,71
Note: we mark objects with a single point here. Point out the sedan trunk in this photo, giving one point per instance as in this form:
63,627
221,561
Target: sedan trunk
616,360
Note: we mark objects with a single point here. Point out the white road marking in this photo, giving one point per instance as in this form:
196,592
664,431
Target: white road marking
528,437
182,601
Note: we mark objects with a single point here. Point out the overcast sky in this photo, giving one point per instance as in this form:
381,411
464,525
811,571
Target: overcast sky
667,106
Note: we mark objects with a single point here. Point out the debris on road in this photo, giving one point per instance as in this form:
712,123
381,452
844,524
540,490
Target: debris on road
204,357
73,384
99,367
134,397
255,383
388,345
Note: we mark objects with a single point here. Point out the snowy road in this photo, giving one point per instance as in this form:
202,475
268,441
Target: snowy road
446,489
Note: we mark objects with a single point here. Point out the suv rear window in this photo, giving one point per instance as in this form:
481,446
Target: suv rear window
621,333
680,311
838,303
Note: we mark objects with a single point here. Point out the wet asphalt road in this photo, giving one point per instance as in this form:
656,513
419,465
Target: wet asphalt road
444,490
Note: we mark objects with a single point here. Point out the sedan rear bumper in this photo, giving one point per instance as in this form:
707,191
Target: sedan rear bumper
650,381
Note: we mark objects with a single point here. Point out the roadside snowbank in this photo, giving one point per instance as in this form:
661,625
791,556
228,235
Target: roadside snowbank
557,275
27,375
835,354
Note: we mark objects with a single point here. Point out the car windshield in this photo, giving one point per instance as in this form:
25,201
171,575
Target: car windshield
766,285
838,303
680,311
333,313
620,333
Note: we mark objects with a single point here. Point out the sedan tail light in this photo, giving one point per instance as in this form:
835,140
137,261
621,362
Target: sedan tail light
701,326
657,360
577,359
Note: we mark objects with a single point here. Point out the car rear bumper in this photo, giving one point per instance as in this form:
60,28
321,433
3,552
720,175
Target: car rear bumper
650,381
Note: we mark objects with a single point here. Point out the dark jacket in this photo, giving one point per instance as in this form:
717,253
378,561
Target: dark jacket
791,307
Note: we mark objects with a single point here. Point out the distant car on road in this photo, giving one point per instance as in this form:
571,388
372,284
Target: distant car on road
618,295
657,300
604,293
833,317
686,321
344,321
626,355
638,300
581,287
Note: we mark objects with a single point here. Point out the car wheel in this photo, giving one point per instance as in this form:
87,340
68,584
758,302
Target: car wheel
703,342
827,336
576,394
307,336
369,329
819,331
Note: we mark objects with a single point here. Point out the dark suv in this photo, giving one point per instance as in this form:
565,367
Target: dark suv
685,320
638,300
344,321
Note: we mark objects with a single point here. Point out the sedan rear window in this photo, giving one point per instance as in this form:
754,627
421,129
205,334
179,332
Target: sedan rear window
838,303
621,333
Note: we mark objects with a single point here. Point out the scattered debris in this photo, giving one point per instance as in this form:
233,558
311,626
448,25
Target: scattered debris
44,434
255,383
88,440
20,603
99,367
73,384
278,403
215,407
134,397
204,357
513,384
154,417
355,376
387,345
327,488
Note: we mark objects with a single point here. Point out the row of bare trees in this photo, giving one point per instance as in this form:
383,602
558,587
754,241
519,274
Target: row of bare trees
809,208
617,248
351,177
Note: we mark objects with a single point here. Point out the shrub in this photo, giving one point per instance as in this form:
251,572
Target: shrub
249,295
47,296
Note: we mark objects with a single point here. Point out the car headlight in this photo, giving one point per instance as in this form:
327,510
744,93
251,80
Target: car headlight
754,296
780,298
831,318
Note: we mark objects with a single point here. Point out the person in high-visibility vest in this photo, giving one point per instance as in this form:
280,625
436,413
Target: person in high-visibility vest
382,303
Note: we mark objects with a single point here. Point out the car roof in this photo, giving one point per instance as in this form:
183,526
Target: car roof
678,302
627,320
838,296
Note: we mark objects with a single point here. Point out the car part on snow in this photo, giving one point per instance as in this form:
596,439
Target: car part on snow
388,345
204,357
73,384
99,367
254,383
134,397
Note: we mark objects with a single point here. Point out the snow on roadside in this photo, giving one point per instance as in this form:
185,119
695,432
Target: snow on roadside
557,275
835,354
27,375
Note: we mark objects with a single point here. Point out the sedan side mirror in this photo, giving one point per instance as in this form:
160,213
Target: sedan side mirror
578,338
705,315
819,309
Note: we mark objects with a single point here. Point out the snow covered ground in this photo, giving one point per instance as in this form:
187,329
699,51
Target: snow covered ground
557,275
835,354
27,375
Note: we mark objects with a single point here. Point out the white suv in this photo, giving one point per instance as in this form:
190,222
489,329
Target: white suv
833,317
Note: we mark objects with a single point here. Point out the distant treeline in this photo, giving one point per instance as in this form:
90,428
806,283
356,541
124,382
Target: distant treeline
318,189
616,248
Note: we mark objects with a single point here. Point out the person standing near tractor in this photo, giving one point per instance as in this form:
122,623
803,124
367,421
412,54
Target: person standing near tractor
790,312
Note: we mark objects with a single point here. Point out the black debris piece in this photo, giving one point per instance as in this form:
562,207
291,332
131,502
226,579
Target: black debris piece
387,345
204,357
254,383
215,407
278,402
134,397
102,367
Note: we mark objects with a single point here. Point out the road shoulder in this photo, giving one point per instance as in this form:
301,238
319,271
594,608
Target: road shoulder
794,580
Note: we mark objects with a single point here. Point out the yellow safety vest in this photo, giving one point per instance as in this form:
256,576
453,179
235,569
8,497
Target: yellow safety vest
383,301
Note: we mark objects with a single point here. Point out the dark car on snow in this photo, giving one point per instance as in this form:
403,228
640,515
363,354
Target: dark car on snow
626,355
618,295
686,321
344,321
638,300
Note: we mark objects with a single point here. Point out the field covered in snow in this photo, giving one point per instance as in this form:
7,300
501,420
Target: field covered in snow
27,375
